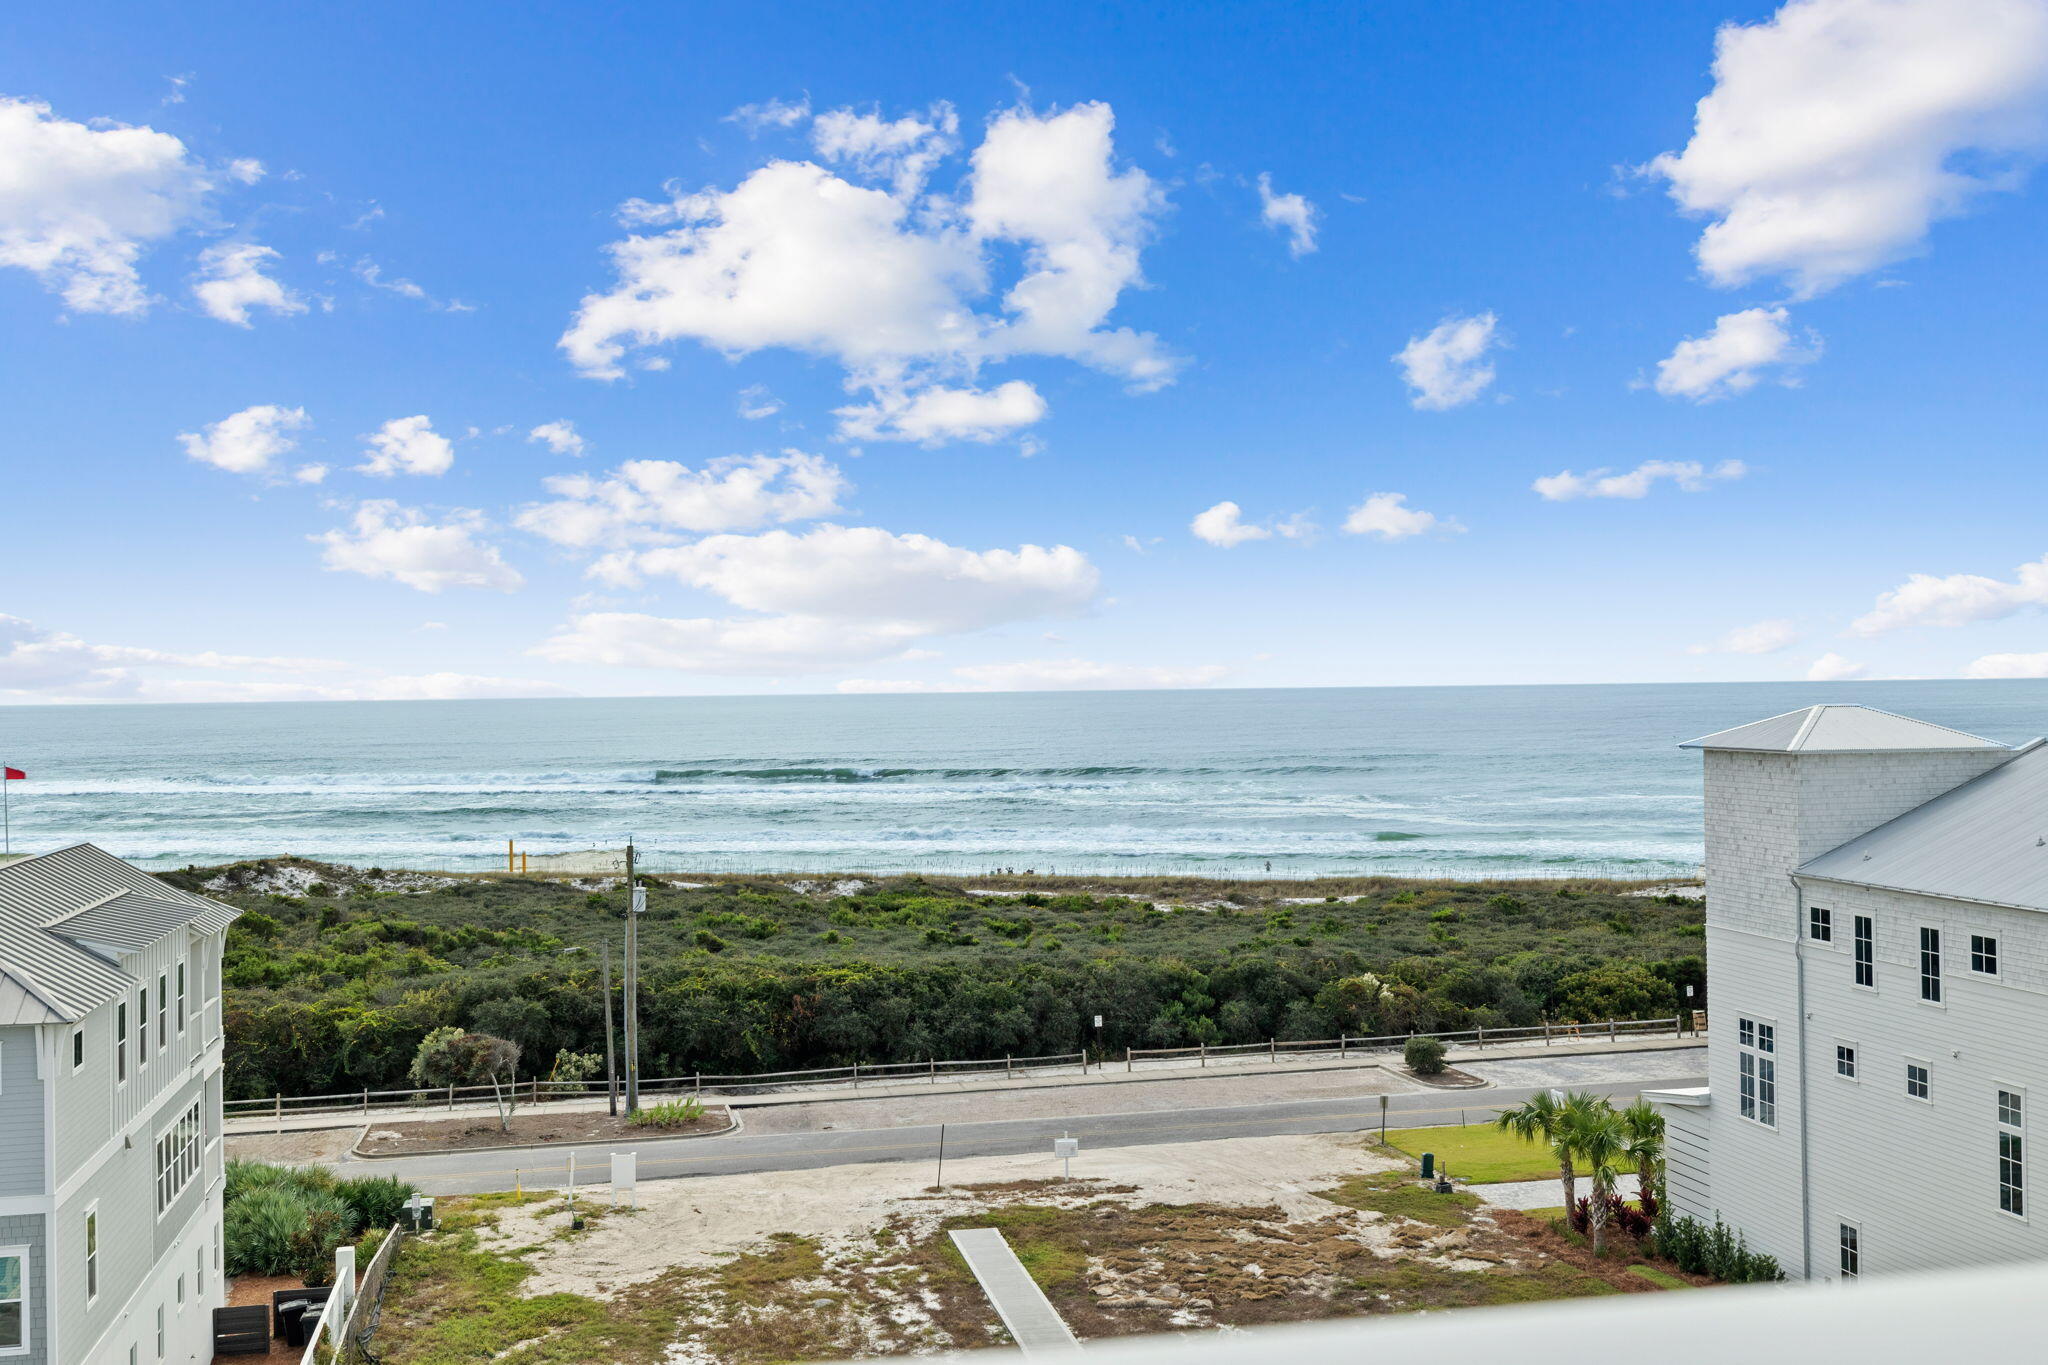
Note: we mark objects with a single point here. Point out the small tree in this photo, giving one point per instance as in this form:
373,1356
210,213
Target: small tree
1643,1127
449,1056
1424,1056
1596,1135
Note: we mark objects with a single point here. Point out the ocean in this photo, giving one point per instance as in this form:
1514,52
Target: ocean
1421,781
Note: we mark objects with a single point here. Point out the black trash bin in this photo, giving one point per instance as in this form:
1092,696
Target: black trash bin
291,1319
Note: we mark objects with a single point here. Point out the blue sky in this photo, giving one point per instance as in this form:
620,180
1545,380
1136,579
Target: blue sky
1790,373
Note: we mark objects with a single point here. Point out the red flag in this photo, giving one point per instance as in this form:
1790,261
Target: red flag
13,775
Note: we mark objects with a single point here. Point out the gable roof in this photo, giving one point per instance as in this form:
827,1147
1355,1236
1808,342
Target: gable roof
64,918
1985,841
1840,728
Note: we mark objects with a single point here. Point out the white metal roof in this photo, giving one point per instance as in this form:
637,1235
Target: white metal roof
1985,841
64,917
1840,728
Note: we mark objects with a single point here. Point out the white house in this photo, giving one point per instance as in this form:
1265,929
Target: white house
110,1114
1877,952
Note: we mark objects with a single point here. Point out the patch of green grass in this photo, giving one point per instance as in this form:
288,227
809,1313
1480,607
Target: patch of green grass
1049,1262
1661,1278
1478,1152
1403,1198
1417,1284
754,1276
1555,1215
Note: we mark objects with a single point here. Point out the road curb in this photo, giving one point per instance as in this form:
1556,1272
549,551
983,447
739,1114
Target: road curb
357,1153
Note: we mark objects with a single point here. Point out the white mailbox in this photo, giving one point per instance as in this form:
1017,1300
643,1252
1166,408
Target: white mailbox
625,1177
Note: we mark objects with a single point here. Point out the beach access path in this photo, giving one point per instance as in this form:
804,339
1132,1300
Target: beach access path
810,1133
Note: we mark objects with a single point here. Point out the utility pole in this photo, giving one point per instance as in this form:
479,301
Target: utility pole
611,1063
635,898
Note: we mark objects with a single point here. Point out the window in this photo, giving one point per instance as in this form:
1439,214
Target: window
1917,1085
1984,954
199,1271
181,998
2012,1167
181,1291
1852,1251
163,1010
1820,925
1845,1060
1866,951
1757,1069
159,1331
142,1027
1930,965
92,1253
14,1301
177,1157
77,1048
121,1041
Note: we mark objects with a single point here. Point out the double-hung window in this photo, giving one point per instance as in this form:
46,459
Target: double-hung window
1845,1060
1756,1063
181,998
1851,1244
2012,1156
1919,1085
1866,950
1820,924
121,1041
163,1010
1930,964
14,1301
92,1254
1984,954
142,1027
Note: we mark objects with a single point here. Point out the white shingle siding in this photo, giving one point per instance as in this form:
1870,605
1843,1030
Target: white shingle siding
1919,1178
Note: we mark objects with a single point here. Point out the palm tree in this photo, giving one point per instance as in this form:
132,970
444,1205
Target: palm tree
1599,1138
1643,1127
1546,1118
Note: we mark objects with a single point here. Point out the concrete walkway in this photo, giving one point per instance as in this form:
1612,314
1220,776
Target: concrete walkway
1035,1325
1109,1074
1541,1194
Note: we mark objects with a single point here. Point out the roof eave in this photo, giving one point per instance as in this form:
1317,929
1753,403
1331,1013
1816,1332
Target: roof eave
1799,874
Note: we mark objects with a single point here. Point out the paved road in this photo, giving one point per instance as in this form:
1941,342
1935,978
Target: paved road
473,1172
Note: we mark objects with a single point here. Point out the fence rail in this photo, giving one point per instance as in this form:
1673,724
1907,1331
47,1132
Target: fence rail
1274,1049
536,1091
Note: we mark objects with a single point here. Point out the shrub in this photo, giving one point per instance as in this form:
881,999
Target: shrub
1717,1251
275,1229
669,1114
310,1251
1424,1056
376,1201
1505,903
708,941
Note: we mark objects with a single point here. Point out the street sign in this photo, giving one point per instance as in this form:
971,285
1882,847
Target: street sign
1064,1148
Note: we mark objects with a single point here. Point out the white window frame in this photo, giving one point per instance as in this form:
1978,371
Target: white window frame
27,1325
2017,1131
1858,943
1756,1050
1937,977
1854,1074
181,997
1997,956
142,1027
1927,1071
1849,1239
78,1047
177,1152
90,1240
163,1009
120,1042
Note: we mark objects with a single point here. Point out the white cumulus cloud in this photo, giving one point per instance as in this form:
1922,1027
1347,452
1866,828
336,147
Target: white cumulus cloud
1834,668
560,437
38,662
80,203
1447,366
1734,356
755,402
2008,666
1765,637
1388,517
247,442
891,280
231,282
1689,476
385,540
935,415
407,445
1837,131
1224,526
1956,599
653,500
1290,214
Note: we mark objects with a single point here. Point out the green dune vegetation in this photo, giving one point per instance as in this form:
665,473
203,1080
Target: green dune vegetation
334,988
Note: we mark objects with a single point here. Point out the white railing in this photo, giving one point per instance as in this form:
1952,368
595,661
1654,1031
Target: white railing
1609,1030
